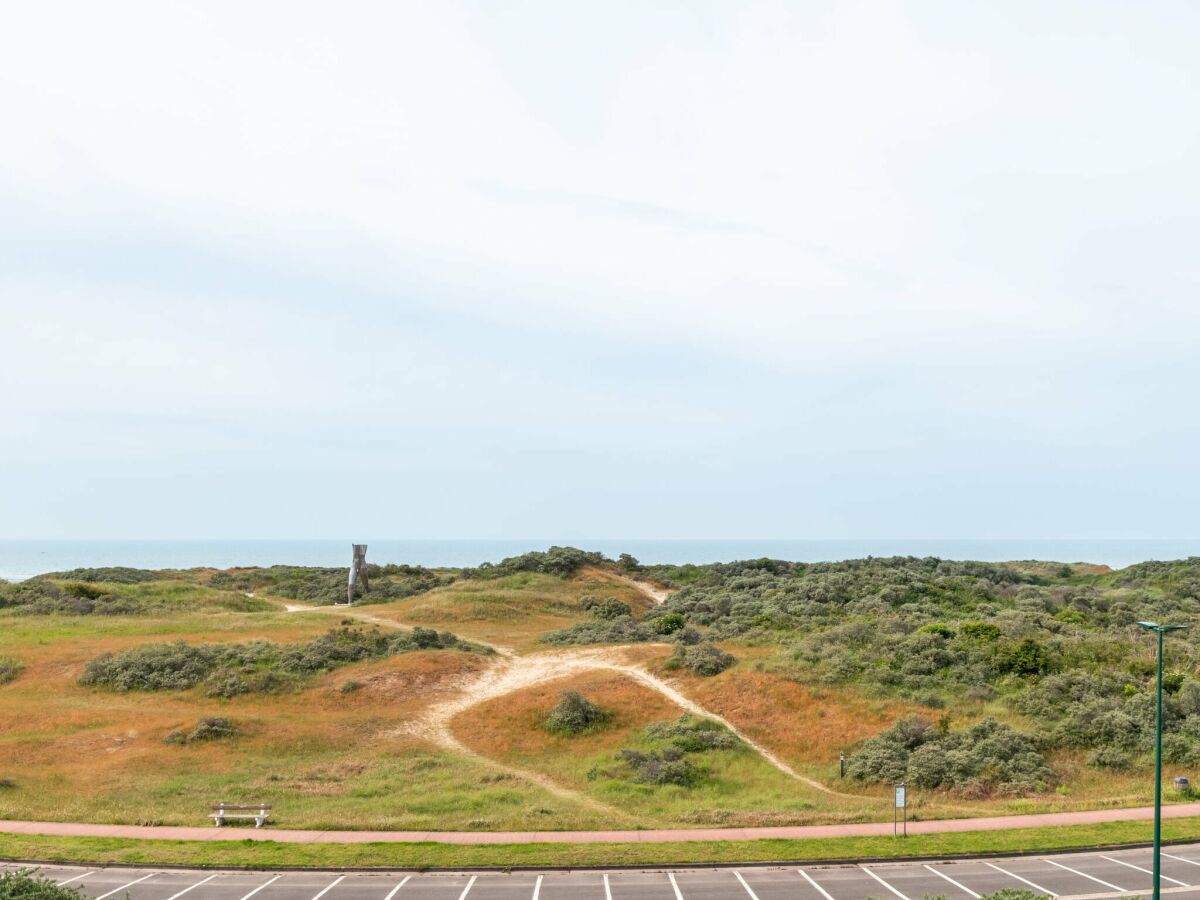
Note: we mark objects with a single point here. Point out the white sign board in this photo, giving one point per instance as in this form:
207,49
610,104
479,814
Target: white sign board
900,796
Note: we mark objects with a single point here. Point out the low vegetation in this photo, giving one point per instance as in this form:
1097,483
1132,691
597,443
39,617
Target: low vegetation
226,670
22,884
9,669
575,714
210,728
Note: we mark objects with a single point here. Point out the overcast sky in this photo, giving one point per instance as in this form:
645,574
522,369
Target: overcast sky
600,269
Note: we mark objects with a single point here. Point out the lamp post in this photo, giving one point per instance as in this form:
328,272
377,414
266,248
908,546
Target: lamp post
1160,630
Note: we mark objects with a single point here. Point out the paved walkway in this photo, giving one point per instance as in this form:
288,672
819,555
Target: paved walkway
296,836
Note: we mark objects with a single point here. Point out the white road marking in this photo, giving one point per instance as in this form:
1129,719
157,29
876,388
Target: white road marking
196,885
122,887
1108,884
261,886
1147,871
1037,887
961,887
467,889
1190,862
808,878
753,896
392,892
76,878
537,888
607,889
678,893
884,883
333,883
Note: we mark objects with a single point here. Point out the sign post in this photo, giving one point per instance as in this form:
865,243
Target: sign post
900,809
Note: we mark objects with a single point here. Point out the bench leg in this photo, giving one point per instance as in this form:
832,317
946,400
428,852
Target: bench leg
219,822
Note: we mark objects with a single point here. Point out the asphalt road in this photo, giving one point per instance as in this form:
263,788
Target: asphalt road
1121,873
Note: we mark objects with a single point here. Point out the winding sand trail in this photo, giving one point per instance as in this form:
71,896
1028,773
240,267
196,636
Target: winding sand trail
510,672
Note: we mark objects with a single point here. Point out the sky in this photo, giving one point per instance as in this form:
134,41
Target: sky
620,269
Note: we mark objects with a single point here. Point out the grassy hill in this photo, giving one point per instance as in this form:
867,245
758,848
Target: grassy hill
989,687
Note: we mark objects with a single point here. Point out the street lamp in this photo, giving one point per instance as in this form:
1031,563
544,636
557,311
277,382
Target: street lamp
1160,630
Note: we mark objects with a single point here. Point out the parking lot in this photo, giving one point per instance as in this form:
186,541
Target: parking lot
1121,873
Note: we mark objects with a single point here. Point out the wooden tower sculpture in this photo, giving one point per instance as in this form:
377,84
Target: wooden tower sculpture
358,569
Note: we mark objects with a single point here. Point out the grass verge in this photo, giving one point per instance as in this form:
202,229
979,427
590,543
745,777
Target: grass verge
273,855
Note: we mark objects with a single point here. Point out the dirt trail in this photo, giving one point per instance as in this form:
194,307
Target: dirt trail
514,673
657,595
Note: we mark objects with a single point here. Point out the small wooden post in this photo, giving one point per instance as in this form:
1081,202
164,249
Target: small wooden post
358,569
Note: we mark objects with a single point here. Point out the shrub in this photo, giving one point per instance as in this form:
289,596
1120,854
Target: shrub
349,687
702,659
7,784
1027,657
258,666
688,636
693,735
25,884
212,728
622,630
9,669
1110,758
666,767
668,624
110,574
610,608
987,756
574,714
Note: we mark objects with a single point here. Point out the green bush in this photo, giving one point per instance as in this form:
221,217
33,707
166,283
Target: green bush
693,735
668,624
562,561
574,714
25,884
609,608
258,666
9,669
621,630
702,659
212,728
669,766
986,757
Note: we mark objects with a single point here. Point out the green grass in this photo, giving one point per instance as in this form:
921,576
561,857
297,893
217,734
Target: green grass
270,854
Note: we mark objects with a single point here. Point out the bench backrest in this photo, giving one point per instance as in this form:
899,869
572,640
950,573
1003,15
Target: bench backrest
233,806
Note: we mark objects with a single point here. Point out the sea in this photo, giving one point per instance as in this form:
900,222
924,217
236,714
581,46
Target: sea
20,559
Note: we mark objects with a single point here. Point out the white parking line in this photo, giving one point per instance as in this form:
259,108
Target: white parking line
1037,887
1147,871
961,887
884,883
333,883
392,892
1190,862
607,889
122,887
675,885
467,889
1108,884
753,896
261,886
537,888
196,885
76,878
808,878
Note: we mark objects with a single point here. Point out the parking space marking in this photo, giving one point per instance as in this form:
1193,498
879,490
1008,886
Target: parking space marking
537,888
1190,862
261,886
1147,871
392,892
808,878
1025,880
196,885
325,889
1108,884
76,878
961,887
467,889
884,883
675,885
122,887
607,889
753,896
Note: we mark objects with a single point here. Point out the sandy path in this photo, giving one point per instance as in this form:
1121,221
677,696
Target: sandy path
514,673
657,595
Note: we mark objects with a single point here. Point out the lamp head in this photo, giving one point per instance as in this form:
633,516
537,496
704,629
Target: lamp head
1149,626
1154,626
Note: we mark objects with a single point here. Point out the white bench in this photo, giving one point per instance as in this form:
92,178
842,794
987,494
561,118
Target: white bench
257,811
